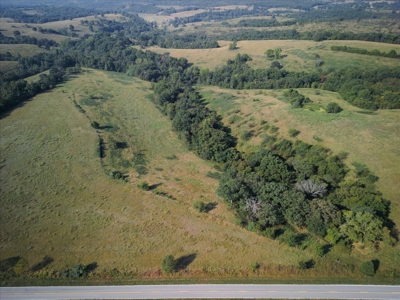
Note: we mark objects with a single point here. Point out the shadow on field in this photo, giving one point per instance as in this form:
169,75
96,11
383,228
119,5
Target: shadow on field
210,206
91,267
9,263
154,186
184,261
376,263
41,265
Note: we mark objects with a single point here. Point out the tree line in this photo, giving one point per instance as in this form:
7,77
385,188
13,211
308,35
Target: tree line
22,39
375,52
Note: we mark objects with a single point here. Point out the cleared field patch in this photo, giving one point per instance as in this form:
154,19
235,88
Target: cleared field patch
58,199
298,55
371,139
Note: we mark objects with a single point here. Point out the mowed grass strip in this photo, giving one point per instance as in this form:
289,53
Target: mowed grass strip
298,55
58,201
371,139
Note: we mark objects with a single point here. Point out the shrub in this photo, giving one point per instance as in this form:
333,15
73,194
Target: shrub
333,108
302,265
21,266
144,186
319,250
95,125
168,264
78,271
254,267
291,239
293,132
200,206
246,135
368,268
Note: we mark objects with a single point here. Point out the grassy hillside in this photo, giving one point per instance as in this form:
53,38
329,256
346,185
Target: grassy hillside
58,200
371,139
8,26
23,50
298,55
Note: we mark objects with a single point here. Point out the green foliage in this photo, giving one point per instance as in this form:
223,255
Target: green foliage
200,206
319,250
296,99
333,235
255,266
246,135
302,265
233,46
95,125
116,175
362,227
316,226
368,268
168,264
78,271
333,108
291,238
75,272
293,132
144,186
21,266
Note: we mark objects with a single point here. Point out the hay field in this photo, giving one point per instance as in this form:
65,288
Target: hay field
299,55
58,200
371,139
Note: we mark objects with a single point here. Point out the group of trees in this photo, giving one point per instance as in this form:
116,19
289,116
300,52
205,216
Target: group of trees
303,186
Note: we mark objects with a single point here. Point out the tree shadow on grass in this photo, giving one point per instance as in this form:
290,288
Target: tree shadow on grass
9,263
91,267
184,261
41,265
376,263
210,206
154,186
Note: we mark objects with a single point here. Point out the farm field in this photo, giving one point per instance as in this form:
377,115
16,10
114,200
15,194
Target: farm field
49,211
371,139
299,55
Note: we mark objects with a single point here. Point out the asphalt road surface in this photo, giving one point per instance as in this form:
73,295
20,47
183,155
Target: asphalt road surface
205,291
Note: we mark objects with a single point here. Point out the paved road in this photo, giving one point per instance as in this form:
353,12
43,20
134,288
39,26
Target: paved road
210,291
